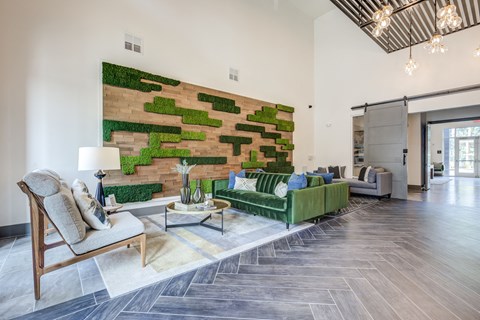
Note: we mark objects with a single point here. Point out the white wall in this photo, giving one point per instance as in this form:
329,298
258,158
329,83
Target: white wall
350,69
52,52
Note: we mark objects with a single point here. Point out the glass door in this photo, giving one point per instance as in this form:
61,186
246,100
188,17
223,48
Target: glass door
466,157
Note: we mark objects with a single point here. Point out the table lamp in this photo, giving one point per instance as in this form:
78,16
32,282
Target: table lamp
99,158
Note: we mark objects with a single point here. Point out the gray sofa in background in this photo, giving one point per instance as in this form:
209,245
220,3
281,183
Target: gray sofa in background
381,188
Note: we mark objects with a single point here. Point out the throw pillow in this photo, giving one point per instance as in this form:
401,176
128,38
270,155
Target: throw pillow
91,210
231,178
327,177
259,170
245,184
364,172
321,170
336,172
361,175
297,181
372,176
342,171
281,189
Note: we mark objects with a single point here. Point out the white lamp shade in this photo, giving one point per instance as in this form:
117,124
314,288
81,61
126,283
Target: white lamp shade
98,158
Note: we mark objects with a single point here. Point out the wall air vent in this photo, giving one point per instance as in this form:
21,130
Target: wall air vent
233,74
133,43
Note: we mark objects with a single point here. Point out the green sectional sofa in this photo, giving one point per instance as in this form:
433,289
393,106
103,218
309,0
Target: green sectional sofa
299,205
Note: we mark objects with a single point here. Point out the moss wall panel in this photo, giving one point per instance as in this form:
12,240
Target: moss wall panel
128,105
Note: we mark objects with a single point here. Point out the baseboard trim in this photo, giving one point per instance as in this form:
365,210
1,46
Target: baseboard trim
414,187
15,230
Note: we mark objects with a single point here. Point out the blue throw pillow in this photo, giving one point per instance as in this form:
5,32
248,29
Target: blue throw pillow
327,177
231,178
259,170
297,181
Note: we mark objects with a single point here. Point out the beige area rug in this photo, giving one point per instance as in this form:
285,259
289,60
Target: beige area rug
183,249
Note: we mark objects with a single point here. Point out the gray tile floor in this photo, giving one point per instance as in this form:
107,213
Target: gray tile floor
16,294
392,260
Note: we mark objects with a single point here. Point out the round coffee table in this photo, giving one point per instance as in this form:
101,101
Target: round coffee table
219,205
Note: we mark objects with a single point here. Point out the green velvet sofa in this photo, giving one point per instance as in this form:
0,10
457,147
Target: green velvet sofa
299,205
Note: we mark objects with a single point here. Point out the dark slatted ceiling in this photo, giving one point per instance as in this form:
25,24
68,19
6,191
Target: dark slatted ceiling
423,12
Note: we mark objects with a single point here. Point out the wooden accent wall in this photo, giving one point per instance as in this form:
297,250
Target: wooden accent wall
128,105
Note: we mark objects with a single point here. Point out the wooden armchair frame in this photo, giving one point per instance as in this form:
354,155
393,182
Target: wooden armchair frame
39,222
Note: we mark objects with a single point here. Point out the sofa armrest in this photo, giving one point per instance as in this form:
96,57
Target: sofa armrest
384,183
219,185
304,204
336,196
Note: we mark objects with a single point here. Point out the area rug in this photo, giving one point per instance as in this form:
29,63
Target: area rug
183,249
440,180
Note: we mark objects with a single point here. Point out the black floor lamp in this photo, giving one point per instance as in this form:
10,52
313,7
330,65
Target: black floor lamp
99,158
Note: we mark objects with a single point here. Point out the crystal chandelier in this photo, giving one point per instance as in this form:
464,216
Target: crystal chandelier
411,65
448,17
435,44
382,19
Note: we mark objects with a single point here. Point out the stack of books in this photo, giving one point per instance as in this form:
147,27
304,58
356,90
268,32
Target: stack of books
185,207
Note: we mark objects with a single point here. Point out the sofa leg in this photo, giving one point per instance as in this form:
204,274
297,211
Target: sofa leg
288,226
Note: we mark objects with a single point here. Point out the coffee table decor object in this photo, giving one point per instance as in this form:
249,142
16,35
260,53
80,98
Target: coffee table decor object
185,192
217,208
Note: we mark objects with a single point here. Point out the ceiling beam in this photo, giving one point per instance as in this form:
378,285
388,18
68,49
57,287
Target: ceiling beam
399,9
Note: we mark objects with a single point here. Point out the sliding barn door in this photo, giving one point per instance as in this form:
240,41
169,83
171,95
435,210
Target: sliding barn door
386,142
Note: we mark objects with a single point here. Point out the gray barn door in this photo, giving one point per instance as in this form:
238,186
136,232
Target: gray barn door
386,142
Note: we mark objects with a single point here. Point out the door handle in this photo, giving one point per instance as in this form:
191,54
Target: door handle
404,159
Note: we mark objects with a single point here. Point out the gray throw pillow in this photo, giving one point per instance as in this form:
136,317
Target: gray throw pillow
42,182
372,176
91,210
63,212
321,170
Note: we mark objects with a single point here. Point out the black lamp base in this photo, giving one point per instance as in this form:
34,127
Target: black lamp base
99,195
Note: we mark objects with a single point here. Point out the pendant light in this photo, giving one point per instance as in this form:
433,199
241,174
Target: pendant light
476,53
382,19
411,65
435,45
448,17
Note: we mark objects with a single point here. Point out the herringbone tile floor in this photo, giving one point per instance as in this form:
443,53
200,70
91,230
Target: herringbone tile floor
392,260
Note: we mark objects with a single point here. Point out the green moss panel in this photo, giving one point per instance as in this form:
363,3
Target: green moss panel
269,115
190,135
112,125
285,108
253,163
286,144
133,193
189,116
259,129
219,103
206,185
204,160
154,150
287,169
214,99
236,142
124,77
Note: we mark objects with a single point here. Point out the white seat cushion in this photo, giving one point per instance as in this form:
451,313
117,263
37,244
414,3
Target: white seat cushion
124,226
